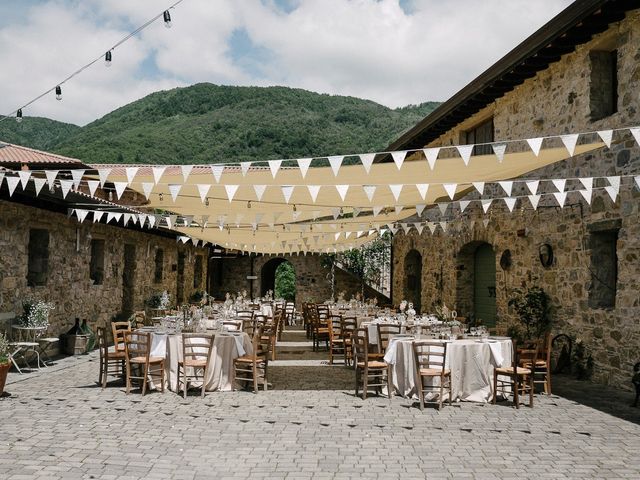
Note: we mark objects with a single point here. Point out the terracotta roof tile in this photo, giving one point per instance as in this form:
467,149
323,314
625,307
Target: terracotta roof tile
10,153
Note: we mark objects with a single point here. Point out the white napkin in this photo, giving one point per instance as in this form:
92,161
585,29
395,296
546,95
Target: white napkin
239,344
496,353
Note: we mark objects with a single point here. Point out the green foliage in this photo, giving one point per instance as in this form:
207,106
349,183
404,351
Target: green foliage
367,261
285,282
36,132
4,349
532,307
207,123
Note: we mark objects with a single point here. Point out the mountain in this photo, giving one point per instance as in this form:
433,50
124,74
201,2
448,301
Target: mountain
207,123
36,132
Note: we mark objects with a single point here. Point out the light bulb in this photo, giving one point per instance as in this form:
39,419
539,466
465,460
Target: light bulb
19,115
167,19
58,93
107,59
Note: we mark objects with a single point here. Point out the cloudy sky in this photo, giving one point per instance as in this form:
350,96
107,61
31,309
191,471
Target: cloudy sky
395,52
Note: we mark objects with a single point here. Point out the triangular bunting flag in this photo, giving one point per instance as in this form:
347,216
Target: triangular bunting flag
376,211
534,199
570,142
336,212
464,204
486,203
147,187
303,165
120,187
186,171
216,171
511,203
174,189
443,208
131,173
405,227
274,166
342,191
12,183
244,166
465,152
157,173
432,227
443,225
485,222
606,136
479,186
613,193
559,184
336,163
614,182
398,158
586,194
637,180
396,190
203,189
636,134
431,154
65,185
499,149
367,160
287,191
81,214
419,227
313,192
398,209
419,209
535,144
51,176
93,187
97,216
370,191
231,191
587,182
450,188
423,188
24,175
532,186
38,183
103,175
560,197
259,190
507,186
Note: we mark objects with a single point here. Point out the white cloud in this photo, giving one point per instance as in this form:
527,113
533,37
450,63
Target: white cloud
365,48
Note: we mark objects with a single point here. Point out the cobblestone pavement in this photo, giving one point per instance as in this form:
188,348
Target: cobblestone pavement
58,424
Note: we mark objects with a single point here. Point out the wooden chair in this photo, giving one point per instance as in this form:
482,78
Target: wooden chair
245,315
111,363
249,368
118,331
320,331
278,320
336,339
542,367
233,325
349,325
196,354
138,354
270,335
498,331
369,373
138,319
430,359
520,378
290,313
385,330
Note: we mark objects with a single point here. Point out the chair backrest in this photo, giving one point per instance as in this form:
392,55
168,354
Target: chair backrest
526,354
233,325
197,346
430,354
118,330
139,319
260,342
545,349
385,330
360,344
244,314
334,323
322,310
103,344
278,320
349,324
137,344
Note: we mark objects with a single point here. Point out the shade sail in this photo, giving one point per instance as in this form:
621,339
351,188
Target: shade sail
254,210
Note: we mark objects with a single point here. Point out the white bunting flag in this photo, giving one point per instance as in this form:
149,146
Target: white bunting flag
1,178
370,191
174,189
203,189
336,212
450,188
613,193
479,186
303,165
419,227
420,208
259,191
120,187
587,182
398,158
142,219
534,199
157,173
336,163
231,191
485,222
637,180
97,216
131,173
38,183
532,186
405,227
81,214
396,190
486,203
443,208
560,197
315,214
423,188
535,144
65,185
432,227
586,194
511,203
398,209
274,166
367,160
186,171
636,134
614,182
103,175
51,176
24,175
110,216
147,187
559,184
342,191
606,136
172,220
570,142
216,171
287,191
431,154
93,187
443,225
313,192
12,183
465,152
507,186
392,228
498,150
356,211
463,205
376,211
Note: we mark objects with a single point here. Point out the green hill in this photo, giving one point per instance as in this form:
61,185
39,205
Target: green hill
207,123
36,132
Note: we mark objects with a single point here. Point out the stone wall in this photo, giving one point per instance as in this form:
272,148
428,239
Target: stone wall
556,101
68,283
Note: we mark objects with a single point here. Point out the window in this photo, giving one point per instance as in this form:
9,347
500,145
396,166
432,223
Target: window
603,89
96,267
604,268
38,257
159,264
197,272
482,133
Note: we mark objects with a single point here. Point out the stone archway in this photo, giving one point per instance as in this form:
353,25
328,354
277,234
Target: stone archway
268,274
413,279
476,282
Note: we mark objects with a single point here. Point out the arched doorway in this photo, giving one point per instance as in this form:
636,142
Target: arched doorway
278,275
413,279
476,282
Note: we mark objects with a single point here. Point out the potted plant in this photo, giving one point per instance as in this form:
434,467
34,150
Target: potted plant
5,364
533,310
36,314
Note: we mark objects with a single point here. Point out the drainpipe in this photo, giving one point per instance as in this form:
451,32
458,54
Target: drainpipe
391,270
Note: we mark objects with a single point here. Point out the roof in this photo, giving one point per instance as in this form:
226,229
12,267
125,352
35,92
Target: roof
16,155
575,25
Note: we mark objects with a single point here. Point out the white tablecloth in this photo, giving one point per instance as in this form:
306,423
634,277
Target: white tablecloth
226,348
471,363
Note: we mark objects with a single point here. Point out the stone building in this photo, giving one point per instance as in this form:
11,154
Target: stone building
578,73
98,271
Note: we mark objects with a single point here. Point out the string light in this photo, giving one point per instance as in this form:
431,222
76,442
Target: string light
19,115
58,93
249,204
167,18
161,196
107,59
206,202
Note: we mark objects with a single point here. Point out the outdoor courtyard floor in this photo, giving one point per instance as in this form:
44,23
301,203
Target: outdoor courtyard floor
58,424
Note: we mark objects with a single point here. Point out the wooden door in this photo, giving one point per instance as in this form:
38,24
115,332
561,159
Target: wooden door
485,285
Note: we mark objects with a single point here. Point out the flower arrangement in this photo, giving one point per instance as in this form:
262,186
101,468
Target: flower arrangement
4,349
165,300
403,305
441,312
36,314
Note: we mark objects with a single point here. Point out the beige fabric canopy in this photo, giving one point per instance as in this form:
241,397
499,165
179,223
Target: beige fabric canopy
348,206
